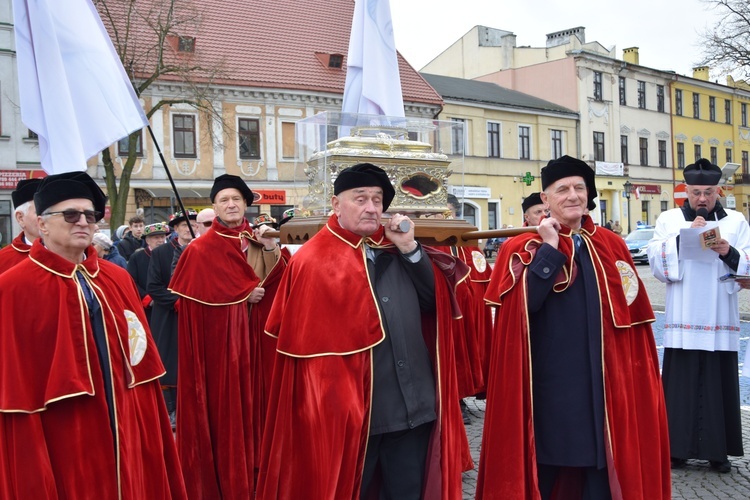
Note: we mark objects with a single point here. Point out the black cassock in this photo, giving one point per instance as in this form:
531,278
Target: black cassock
705,421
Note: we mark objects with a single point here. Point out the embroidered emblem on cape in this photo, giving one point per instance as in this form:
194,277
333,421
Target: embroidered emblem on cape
480,263
136,338
629,280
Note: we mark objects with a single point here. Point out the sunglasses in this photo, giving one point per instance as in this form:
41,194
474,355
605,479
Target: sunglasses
207,223
72,216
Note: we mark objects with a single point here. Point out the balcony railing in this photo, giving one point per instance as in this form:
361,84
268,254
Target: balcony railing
741,179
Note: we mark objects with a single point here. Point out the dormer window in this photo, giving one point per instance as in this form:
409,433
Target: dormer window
186,44
335,60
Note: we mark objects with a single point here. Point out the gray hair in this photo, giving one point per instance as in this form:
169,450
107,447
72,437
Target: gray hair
23,208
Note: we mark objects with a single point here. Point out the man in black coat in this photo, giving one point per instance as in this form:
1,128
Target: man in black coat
164,308
134,239
155,236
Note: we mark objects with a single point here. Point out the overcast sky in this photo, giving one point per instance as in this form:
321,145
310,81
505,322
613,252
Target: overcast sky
666,31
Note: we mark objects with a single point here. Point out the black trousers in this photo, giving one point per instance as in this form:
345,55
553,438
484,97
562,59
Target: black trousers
399,457
595,482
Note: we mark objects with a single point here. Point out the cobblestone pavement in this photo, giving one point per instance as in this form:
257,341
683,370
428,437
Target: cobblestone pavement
696,480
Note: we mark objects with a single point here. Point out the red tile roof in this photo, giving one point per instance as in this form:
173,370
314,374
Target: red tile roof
277,44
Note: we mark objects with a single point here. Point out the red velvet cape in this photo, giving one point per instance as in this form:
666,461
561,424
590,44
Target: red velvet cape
327,321
264,346
480,279
55,434
14,253
636,435
467,340
215,434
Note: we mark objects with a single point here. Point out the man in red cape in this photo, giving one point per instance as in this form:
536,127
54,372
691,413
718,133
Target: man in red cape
25,214
81,412
574,401
318,441
217,389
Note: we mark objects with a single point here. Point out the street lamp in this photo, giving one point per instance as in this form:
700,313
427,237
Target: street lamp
628,187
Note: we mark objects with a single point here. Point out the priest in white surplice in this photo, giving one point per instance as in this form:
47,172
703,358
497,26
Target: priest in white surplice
702,324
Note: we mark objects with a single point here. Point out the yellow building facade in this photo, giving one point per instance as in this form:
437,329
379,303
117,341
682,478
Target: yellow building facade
509,137
710,120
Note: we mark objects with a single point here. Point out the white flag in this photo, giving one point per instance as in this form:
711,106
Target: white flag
373,84
74,92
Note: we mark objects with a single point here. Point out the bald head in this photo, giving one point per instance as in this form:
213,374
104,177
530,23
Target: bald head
204,219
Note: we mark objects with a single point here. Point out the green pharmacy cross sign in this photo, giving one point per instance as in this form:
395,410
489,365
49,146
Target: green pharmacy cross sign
528,178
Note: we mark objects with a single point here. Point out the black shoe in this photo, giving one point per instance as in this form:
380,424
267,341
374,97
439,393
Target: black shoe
678,463
722,467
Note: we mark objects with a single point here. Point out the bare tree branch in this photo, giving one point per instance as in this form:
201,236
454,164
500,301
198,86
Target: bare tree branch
145,34
726,45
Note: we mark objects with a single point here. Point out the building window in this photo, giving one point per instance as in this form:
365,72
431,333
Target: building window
493,140
624,149
623,98
186,44
678,102
491,215
664,206
712,108
458,135
660,98
599,146
643,147
598,86
249,138
123,146
641,94
744,163
32,135
714,155
662,154
743,113
556,137
697,151
727,112
469,214
335,60
696,105
680,155
288,139
729,156
183,131
524,142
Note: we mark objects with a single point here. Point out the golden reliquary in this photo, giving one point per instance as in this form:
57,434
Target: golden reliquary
418,173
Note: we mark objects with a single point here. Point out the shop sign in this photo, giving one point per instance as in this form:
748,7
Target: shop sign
9,178
271,197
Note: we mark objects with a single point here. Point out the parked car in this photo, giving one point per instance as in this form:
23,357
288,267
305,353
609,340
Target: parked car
637,242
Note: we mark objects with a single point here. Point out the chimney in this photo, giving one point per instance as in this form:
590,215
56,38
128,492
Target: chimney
630,55
563,37
701,73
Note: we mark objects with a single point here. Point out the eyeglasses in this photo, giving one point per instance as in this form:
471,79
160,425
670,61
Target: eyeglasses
72,216
207,223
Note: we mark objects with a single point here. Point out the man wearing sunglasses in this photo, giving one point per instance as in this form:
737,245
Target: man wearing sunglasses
204,219
25,214
79,383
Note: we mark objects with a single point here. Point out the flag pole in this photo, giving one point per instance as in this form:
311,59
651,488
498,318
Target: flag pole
171,180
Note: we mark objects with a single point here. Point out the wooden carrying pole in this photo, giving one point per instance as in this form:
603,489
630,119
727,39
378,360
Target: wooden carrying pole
467,236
